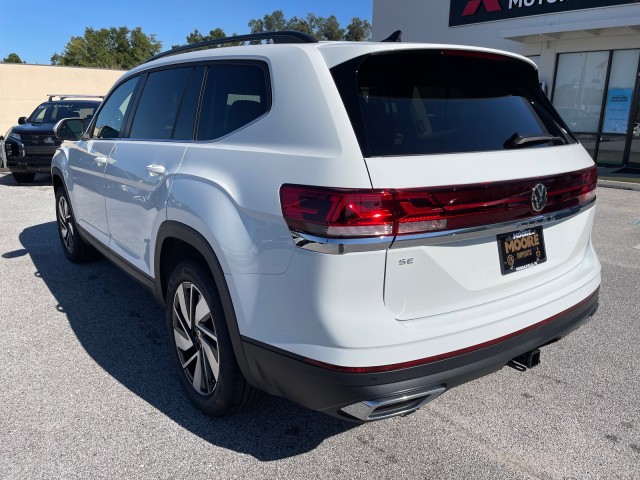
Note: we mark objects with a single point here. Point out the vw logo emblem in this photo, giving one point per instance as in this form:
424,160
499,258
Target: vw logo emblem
539,197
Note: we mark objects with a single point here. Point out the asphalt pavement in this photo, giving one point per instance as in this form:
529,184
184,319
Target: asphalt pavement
86,389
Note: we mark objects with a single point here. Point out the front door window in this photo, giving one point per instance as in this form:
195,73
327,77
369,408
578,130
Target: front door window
111,117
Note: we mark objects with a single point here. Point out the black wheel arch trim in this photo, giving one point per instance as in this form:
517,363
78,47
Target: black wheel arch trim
171,229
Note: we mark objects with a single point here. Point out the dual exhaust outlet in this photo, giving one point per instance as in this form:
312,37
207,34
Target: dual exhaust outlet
410,401
399,404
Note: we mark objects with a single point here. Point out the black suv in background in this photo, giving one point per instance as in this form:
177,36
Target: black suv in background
30,145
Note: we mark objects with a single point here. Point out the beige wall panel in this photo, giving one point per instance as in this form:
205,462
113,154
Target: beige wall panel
24,87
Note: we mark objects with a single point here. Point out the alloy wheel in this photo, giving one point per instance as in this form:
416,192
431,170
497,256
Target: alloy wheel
65,223
195,338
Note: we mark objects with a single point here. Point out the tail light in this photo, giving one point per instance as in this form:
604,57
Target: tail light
335,213
345,213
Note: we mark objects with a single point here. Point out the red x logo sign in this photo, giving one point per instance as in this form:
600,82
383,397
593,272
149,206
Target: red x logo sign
474,5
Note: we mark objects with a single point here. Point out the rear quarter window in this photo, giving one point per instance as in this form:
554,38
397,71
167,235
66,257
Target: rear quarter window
235,95
437,101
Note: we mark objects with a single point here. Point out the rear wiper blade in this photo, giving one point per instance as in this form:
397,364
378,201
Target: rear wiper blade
519,141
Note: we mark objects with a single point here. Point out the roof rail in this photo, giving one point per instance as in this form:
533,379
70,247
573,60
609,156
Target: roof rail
283,36
64,96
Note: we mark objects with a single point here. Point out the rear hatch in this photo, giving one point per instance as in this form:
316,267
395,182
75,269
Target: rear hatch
492,192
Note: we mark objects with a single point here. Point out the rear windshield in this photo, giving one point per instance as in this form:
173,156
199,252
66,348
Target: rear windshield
446,101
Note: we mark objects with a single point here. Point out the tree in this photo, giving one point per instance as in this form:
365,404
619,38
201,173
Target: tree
118,48
269,23
13,58
328,28
197,37
300,25
358,30
323,28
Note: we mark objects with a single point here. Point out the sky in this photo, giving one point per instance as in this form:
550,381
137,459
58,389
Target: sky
36,29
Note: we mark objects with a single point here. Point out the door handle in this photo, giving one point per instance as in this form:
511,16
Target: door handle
155,169
100,161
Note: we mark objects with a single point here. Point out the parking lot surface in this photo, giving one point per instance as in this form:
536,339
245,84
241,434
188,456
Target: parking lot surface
86,389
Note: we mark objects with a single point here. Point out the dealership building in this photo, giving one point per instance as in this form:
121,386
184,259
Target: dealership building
587,52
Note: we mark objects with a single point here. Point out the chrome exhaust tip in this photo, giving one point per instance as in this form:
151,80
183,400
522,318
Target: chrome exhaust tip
397,404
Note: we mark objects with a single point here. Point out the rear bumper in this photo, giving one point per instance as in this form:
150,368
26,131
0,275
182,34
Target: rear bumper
331,389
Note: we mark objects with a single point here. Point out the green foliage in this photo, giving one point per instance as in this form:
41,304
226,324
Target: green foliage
358,30
269,23
196,37
12,58
122,48
322,28
117,48
328,28
300,24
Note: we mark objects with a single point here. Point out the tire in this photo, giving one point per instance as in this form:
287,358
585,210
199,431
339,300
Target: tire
24,177
73,246
200,343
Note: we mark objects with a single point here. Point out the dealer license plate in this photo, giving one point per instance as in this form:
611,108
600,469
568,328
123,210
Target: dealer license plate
521,250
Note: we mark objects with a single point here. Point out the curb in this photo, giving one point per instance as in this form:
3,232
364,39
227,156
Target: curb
619,185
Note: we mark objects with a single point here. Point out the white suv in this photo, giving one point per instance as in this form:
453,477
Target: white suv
357,227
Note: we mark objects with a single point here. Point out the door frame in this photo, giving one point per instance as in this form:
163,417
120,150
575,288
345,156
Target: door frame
634,112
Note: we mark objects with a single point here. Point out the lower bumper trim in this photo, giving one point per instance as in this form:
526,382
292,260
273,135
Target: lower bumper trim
367,396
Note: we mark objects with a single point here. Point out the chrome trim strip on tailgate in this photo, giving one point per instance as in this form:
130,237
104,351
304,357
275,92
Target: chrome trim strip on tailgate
436,238
340,246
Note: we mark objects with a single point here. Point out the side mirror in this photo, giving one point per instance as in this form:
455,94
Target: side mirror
69,129
22,120
1,137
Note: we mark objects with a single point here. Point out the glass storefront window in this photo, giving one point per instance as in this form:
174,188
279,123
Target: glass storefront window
596,90
622,80
578,93
579,88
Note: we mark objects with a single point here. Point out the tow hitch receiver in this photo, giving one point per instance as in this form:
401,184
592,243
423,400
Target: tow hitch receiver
526,360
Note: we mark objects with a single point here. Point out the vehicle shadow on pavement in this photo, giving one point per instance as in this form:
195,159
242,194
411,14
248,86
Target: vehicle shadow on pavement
122,328
40,180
